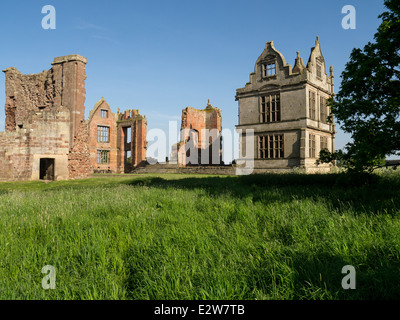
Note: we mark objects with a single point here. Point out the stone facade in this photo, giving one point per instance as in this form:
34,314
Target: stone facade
200,135
78,158
46,136
62,85
286,107
117,141
44,116
131,138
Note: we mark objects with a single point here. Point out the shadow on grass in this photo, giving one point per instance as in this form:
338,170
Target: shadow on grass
361,193
291,275
320,275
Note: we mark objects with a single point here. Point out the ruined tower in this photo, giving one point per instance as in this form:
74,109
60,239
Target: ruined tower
200,137
62,85
46,137
68,76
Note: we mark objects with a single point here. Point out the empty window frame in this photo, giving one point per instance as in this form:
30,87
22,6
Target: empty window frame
323,110
323,143
311,146
270,108
269,69
271,147
103,134
104,113
312,106
103,156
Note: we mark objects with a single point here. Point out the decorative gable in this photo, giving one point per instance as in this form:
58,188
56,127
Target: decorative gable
316,61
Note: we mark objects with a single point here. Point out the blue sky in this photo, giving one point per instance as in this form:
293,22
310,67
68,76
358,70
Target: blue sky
162,56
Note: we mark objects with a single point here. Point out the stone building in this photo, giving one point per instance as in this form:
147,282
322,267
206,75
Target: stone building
117,141
287,109
46,136
200,137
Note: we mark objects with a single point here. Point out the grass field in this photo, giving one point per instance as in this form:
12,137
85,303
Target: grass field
201,237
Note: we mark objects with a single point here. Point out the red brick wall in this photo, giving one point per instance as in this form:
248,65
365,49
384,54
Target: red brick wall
209,118
94,121
46,133
138,144
15,161
24,93
79,156
62,85
39,103
141,142
73,88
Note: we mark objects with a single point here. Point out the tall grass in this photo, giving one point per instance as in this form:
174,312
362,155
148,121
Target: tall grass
201,237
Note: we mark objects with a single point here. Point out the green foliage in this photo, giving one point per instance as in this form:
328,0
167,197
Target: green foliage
202,237
368,103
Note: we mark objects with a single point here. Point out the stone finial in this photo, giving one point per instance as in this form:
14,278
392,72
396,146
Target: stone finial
298,64
269,44
331,71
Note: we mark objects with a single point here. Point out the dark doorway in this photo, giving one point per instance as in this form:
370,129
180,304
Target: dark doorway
128,161
46,169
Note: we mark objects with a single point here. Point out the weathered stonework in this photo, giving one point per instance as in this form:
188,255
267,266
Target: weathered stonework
123,153
62,85
46,135
200,134
286,108
134,146
44,116
78,158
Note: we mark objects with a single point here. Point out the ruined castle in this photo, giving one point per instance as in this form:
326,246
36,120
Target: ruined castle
48,138
200,137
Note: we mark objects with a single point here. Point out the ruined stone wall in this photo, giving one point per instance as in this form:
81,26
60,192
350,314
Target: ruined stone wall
45,127
69,75
96,119
79,165
140,141
45,135
119,143
24,94
138,144
196,122
208,118
15,161
62,85
44,120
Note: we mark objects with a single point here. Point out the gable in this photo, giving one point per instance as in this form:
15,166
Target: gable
271,60
316,61
100,105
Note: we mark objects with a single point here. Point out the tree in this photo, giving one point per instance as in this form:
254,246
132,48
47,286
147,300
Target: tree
368,102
